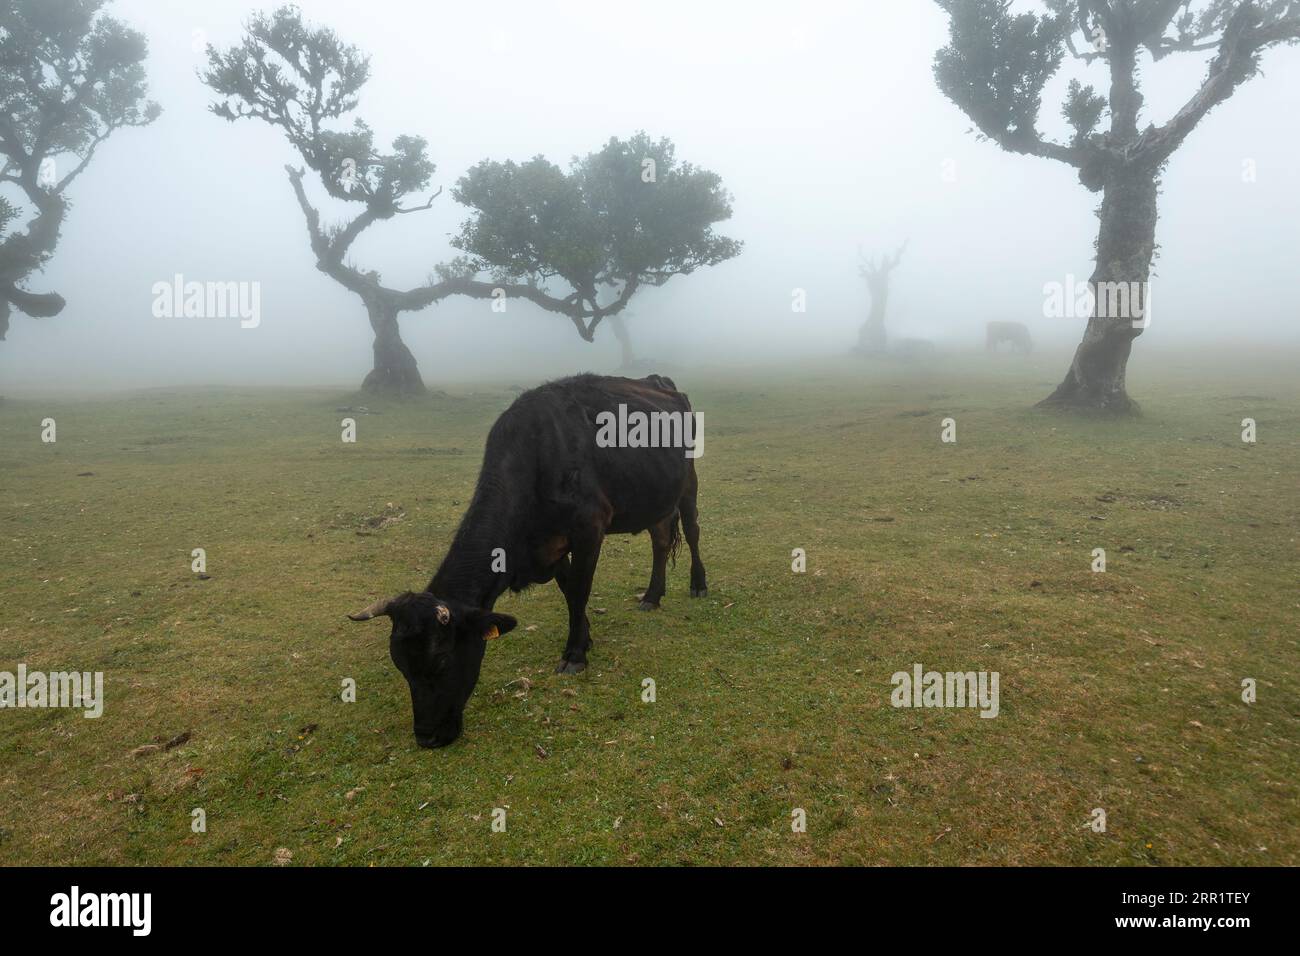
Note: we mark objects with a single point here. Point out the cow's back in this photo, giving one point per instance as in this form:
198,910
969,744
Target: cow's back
552,431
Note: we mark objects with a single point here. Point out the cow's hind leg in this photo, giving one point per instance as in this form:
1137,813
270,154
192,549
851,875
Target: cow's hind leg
574,578
562,572
691,527
661,541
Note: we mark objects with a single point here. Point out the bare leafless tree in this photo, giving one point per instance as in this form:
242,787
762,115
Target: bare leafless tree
877,272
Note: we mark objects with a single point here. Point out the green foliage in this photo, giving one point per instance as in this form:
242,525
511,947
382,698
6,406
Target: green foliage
663,230
1082,110
997,63
599,225
531,221
299,77
69,77
629,213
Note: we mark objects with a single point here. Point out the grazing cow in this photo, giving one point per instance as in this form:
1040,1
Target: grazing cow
550,489
1014,332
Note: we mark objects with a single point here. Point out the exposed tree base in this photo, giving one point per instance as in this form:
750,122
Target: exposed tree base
1096,380
872,339
398,377
396,383
1069,396
395,373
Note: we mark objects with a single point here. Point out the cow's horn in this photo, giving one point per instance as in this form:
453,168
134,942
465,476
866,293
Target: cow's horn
378,609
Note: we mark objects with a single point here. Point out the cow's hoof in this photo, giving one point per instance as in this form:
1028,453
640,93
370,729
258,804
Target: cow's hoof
699,592
571,667
647,606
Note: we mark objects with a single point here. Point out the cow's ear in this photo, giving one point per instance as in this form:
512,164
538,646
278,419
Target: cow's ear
490,625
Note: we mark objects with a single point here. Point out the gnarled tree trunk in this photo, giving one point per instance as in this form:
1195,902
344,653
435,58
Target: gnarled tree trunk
1125,247
22,254
624,340
871,336
395,371
1126,244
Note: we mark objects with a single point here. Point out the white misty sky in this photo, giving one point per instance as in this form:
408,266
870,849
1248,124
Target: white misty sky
822,118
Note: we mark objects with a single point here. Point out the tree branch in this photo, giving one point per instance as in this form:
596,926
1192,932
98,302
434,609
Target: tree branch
329,255
1244,38
1030,144
428,205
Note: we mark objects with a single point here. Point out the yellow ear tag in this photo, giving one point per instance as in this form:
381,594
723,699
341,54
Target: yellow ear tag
491,633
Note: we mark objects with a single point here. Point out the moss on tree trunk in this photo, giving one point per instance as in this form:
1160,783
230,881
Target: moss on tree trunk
1125,248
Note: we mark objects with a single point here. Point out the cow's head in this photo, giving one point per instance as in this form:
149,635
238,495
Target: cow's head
438,646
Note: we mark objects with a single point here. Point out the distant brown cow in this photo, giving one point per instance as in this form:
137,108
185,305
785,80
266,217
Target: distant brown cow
1014,332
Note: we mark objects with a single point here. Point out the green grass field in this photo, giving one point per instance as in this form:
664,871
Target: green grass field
1119,691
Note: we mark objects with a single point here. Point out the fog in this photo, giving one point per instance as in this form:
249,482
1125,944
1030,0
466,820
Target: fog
823,120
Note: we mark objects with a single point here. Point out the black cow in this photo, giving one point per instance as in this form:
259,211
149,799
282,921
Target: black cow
548,493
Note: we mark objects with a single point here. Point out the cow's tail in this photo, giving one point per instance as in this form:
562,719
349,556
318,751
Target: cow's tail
675,536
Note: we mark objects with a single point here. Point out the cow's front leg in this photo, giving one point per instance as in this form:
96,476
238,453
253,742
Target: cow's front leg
576,584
